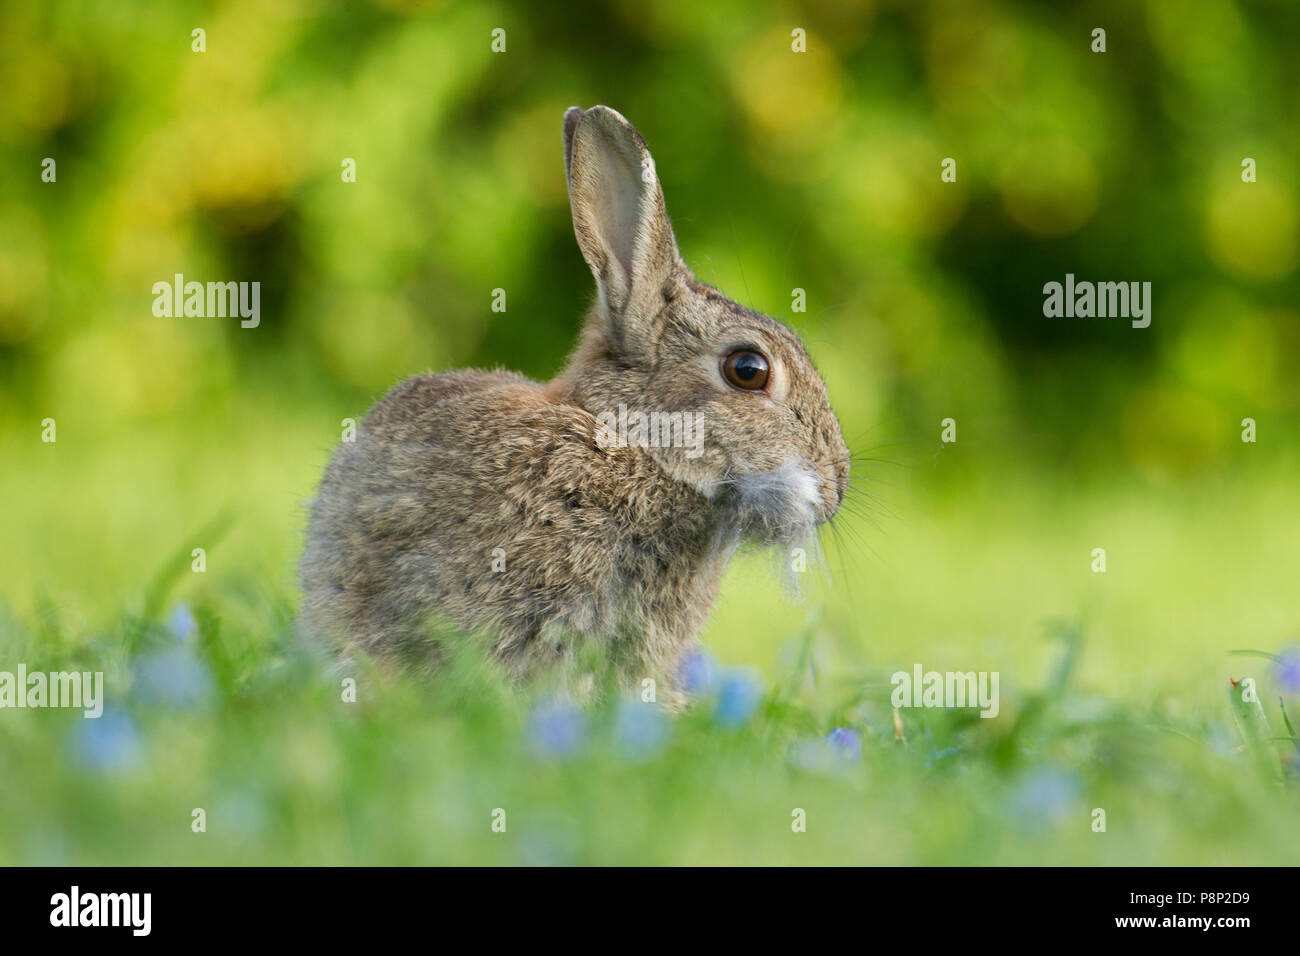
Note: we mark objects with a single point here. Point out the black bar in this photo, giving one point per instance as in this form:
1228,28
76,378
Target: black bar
220,905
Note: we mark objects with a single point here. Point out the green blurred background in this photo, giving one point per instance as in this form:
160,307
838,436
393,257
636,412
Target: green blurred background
781,170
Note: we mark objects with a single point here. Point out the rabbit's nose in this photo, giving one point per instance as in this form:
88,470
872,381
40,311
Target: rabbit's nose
833,489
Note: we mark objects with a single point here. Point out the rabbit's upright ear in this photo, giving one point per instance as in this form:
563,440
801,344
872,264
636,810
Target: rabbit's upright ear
619,216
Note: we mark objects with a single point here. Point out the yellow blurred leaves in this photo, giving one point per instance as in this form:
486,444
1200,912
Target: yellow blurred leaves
372,340
145,366
790,100
1228,347
527,151
1170,432
24,251
888,181
1251,229
245,159
1048,185
35,95
975,59
408,7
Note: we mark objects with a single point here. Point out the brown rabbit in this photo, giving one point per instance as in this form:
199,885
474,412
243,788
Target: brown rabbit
545,515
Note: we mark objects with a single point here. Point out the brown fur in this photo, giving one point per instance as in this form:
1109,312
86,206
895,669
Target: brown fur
623,545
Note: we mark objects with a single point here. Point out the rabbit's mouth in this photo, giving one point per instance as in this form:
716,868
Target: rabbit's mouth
782,506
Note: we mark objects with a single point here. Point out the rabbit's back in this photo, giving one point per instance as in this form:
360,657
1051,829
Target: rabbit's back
473,495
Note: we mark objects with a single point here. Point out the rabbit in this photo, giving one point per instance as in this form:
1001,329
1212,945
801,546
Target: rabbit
516,510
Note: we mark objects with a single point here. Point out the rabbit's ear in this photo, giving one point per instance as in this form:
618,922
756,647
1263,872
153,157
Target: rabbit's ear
618,214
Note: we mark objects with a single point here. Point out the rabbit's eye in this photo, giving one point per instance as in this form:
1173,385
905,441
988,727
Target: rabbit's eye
745,368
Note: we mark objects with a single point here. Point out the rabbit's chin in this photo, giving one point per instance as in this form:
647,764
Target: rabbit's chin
777,507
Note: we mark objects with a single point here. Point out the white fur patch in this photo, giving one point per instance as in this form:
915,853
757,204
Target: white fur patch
778,506
806,486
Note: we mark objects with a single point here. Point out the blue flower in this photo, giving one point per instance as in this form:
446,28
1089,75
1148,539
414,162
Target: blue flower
176,678
181,621
107,742
1045,796
1288,670
698,671
845,744
640,729
558,729
738,697
243,813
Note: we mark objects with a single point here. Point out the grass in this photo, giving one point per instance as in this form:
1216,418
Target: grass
237,718
1114,691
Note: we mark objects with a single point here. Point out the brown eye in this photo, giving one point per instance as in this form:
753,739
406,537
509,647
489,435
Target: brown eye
745,369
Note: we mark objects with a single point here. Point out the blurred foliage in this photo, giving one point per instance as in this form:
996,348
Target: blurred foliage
817,170
220,710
